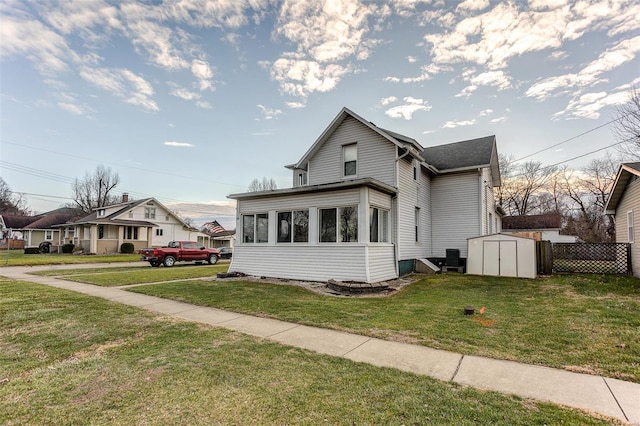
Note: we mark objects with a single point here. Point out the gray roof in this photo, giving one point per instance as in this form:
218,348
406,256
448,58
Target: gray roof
461,155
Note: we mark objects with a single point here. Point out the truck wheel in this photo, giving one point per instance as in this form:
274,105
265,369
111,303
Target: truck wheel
213,259
155,264
169,261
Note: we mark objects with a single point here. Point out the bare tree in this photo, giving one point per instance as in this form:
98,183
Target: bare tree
522,184
12,203
588,190
627,127
95,190
266,184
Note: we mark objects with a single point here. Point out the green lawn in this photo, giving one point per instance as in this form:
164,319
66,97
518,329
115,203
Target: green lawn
125,276
67,358
584,323
18,258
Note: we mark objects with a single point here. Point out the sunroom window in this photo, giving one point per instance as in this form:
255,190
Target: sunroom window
339,224
378,225
293,226
255,228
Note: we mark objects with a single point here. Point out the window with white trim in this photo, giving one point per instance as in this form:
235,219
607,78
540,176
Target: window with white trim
255,228
417,224
339,225
101,213
378,225
349,160
48,235
630,227
159,232
302,178
149,212
293,226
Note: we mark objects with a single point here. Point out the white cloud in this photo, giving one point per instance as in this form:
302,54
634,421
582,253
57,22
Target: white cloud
406,111
296,105
47,50
269,113
511,29
388,100
122,83
202,71
473,5
182,93
499,119
487,111
590,104
592,74
454,124
412,59
179,144
300,77
325,35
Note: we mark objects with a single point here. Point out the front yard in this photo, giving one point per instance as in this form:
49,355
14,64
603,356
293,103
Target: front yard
18,258
75,359
582,323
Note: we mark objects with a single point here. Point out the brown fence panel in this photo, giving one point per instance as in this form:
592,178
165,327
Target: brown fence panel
592,258
544,257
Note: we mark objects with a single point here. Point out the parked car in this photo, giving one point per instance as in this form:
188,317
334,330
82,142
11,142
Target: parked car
179,251
226,252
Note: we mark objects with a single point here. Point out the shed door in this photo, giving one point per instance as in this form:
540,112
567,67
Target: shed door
508,259
500,258
491,258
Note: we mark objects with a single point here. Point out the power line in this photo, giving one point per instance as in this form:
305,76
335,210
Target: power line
571,138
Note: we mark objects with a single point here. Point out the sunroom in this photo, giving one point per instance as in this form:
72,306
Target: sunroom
317,233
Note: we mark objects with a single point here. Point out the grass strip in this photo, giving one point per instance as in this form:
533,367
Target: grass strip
583,323
148,275
73,359
18,258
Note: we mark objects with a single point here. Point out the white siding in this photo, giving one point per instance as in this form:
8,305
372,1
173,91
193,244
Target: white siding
455,210
488,204
345,197
411,194
315,263
630,201
379,199
376,155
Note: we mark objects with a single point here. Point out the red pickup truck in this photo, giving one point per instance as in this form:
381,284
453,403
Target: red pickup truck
179,251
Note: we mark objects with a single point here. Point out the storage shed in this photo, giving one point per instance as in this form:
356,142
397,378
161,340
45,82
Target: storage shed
502,255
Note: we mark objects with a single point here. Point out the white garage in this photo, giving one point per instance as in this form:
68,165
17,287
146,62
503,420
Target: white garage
502,255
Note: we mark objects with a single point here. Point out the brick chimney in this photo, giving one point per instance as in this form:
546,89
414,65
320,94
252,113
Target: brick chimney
125,197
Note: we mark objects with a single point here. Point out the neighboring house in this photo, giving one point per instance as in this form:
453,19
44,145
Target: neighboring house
365,204
35,229
219,237
542,227
624,205
144,223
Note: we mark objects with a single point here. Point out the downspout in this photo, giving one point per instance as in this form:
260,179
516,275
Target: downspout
394,206
481,203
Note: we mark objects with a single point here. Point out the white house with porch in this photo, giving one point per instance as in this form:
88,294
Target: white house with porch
365,204
144,223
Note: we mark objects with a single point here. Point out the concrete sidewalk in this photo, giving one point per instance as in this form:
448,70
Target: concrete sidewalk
598,394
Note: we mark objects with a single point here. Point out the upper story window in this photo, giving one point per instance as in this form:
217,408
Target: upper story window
630,227
415,171
149,212
101,213
349,159
302,178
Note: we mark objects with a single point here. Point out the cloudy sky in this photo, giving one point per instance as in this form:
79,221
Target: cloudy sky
189,100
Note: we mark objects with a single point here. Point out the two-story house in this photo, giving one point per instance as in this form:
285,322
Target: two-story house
365,204
144,223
